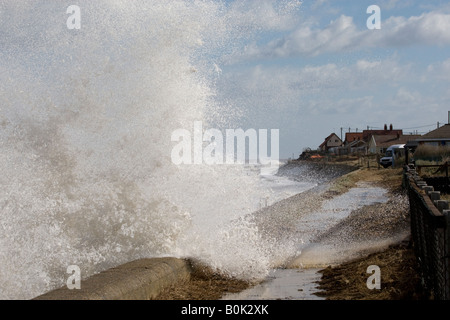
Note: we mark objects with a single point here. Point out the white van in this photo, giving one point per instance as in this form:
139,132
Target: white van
392,153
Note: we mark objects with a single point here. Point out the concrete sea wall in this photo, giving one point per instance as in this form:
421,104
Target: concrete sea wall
141,279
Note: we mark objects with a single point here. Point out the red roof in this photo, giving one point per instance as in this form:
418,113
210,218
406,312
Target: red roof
368,133
353,136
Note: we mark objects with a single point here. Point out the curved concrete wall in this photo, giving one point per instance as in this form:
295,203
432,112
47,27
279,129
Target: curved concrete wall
142,279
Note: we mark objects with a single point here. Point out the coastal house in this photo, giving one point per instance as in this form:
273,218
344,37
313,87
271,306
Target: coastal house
437,137
368,141
353,136
366,134
378,144
332,141
382,132
356,146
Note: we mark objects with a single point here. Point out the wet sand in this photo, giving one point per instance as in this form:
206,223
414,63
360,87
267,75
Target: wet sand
376,234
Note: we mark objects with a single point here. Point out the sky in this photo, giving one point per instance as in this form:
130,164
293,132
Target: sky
307,68
311,71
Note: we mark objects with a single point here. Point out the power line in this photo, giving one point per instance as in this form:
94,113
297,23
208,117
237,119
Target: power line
349,129
424,126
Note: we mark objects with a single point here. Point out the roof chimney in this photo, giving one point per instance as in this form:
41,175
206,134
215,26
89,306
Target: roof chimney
391,127
385,126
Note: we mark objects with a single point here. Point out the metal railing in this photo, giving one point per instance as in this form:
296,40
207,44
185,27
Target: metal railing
430,231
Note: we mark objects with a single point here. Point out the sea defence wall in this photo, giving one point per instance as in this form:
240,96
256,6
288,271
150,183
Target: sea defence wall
142,279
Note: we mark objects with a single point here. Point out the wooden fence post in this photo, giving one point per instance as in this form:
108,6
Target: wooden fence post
435,195
446,257
442,205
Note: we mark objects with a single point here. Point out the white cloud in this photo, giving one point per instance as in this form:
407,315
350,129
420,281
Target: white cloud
318,98
314,89
342,35
427,29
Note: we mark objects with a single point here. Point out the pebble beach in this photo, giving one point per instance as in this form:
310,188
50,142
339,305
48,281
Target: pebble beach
377,233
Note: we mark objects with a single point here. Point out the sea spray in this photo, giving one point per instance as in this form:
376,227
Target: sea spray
86,117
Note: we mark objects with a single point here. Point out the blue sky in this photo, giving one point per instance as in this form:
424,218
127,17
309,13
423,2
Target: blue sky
318,68
307,68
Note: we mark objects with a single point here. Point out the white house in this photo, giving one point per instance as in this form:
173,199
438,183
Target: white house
332,141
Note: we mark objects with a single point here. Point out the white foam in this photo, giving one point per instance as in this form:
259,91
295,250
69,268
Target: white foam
86,118
333,211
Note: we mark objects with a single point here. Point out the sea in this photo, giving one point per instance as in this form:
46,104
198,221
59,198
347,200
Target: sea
86,119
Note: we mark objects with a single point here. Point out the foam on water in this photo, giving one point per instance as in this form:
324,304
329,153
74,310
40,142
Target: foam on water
315,254
86,118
